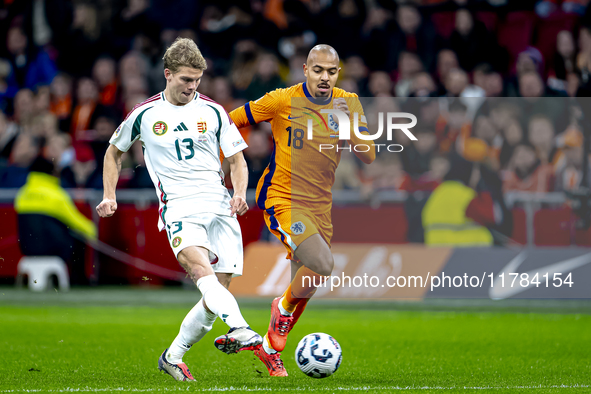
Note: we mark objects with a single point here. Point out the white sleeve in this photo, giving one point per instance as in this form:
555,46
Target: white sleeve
128,131
231,140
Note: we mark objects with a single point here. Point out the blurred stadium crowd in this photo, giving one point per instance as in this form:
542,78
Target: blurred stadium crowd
71,70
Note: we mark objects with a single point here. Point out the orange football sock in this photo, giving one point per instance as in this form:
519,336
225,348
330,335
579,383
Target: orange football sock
300,309
289,302
303,286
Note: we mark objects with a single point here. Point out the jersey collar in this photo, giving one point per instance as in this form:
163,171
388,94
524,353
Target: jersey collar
166,101
314,100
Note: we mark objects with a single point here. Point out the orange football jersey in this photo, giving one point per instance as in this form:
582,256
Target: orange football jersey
299,173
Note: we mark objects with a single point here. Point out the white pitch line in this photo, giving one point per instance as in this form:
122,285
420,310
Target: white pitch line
191,387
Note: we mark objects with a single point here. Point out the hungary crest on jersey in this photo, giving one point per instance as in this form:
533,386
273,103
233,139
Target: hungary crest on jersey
160,128
201,126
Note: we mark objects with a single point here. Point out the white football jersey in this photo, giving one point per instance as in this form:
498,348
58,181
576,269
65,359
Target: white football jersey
182,153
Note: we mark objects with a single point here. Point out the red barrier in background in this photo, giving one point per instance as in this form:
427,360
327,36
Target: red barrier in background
134,231
10,253
366,225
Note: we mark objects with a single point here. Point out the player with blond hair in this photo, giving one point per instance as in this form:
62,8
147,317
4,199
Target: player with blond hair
182,133
295,189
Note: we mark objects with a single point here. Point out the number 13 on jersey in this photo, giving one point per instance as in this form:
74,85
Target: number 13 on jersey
188,145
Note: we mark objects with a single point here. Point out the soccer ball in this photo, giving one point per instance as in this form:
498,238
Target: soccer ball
318,355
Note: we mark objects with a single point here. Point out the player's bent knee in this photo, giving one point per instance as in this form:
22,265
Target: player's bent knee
195,261
315,254
323,264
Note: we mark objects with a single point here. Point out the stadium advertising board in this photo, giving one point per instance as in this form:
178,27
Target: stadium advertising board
417,272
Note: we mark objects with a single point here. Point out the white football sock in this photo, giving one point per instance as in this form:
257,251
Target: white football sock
220,301
196,324
267,346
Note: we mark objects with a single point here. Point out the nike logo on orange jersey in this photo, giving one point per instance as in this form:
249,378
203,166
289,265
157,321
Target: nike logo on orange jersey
290,118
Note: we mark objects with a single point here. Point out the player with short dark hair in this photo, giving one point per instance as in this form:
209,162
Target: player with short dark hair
295,189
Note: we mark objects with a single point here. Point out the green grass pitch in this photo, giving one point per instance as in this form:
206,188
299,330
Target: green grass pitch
83,343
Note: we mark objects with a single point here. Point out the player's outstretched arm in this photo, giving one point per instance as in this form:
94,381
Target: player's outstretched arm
111,170
239,176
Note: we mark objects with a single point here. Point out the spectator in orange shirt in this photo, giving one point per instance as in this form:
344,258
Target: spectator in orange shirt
61,99
541,135
512,134
485,130
455,125
87,95
526,173
569,174
104,74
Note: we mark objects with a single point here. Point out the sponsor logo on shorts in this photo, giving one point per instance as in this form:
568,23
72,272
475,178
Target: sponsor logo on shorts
160,128
236,143
176,241
298,228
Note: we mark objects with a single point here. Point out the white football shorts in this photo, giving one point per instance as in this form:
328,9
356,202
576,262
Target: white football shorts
219,234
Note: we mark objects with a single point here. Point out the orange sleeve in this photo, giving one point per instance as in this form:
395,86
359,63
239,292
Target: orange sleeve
239,117
261,110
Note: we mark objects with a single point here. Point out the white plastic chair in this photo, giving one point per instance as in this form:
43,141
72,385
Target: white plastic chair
39,269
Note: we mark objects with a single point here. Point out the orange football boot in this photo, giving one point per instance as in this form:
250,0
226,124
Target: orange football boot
272,361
